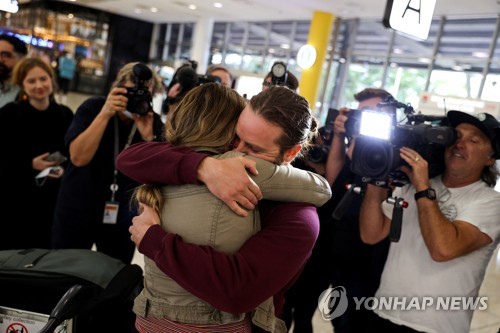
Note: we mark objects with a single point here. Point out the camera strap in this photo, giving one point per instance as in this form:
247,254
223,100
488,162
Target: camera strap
111,207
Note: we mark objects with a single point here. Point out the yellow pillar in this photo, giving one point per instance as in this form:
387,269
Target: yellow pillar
319,36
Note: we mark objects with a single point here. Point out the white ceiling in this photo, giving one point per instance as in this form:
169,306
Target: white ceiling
274,10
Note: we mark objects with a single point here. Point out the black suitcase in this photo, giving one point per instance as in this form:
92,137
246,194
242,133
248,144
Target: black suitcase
102,289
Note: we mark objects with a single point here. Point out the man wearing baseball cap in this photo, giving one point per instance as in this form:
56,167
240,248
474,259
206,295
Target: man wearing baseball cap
450,230
488,124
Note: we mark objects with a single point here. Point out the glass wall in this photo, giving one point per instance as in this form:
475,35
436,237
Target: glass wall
460,58
451,62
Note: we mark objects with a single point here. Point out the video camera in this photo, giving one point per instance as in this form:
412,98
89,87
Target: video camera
379,138
139,98
376,157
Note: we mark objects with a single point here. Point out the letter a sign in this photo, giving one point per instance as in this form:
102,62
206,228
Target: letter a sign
411,17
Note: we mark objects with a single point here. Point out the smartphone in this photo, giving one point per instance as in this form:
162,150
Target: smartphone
55,170
56,156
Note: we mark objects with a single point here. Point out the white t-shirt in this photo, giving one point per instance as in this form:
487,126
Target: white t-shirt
410,270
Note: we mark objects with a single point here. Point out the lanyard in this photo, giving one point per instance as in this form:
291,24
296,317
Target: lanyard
114,185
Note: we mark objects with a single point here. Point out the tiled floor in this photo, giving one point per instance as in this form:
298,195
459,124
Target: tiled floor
486,321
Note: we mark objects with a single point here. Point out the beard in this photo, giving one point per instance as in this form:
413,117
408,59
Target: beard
4,73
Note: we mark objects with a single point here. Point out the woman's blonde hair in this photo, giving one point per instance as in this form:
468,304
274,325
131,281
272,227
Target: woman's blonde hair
149,195
204,119
25,65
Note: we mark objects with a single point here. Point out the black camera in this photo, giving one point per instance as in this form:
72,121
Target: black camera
139,98
279,74
319,152
187,78
379,137
202,79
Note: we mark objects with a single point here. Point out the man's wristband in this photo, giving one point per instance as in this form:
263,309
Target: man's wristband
428,193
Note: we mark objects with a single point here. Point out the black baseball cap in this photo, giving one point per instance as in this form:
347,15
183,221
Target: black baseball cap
487,123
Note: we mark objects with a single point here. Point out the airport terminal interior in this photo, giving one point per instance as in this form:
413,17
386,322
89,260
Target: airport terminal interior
456,65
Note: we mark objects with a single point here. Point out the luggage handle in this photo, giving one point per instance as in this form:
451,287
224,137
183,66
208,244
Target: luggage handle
67,307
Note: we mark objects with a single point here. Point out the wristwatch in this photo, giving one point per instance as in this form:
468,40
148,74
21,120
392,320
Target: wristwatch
429,193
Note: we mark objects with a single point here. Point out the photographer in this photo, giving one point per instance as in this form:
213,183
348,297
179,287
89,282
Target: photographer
449,230
301,299
222,73
279,75
356,266
93,202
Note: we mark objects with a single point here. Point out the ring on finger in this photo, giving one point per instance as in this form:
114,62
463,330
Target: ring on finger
417,159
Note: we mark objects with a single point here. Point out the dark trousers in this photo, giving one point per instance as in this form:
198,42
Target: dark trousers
358,269
64,85
301,300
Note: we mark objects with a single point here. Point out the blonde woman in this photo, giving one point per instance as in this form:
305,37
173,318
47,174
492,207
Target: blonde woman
93,203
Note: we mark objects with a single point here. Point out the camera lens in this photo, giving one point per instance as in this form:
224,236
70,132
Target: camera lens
373,158
142,107
139,100
318,154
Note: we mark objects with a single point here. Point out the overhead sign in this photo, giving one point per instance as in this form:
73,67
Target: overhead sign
10,6
412,17
432,104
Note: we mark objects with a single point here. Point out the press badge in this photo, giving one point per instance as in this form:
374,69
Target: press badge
110,212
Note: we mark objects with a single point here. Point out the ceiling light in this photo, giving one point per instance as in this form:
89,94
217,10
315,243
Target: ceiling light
192,7
137,10
306,57
70,15
480,54
285,46
217,5
153,10
424,60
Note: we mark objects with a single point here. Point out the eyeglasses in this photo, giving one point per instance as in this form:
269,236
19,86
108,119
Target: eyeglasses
6,55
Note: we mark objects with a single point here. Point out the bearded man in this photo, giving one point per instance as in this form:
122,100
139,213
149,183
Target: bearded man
12,49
